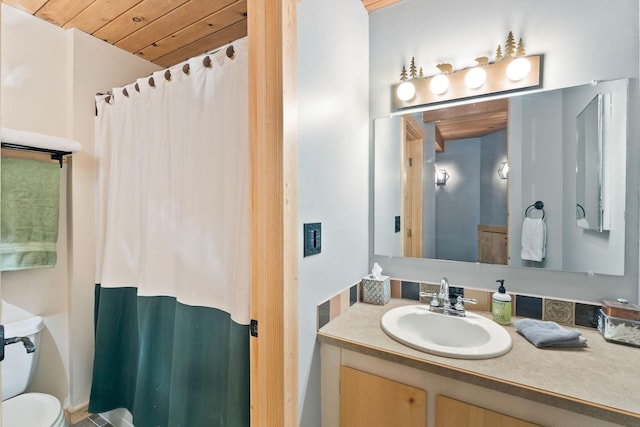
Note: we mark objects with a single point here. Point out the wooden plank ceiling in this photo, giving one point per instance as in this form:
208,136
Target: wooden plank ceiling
468,121
165,32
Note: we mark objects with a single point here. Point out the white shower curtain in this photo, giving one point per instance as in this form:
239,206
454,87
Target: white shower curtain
173,246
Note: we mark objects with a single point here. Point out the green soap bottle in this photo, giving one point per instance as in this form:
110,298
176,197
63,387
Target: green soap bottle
501,305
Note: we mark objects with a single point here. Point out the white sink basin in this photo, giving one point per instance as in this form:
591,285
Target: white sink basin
470,337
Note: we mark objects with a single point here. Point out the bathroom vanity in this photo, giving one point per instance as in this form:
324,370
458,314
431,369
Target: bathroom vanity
592,386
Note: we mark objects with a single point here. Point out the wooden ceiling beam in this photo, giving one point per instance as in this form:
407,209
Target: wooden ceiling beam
440,142
480,107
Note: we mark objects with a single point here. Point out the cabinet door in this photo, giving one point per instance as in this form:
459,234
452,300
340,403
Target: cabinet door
493,247
367,400
454,413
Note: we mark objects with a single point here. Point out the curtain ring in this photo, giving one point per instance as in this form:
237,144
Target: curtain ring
137,87
167,75
186,68
206,62
152,82
125,92
108,99
231,52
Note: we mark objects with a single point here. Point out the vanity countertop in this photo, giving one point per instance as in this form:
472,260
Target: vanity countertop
600,380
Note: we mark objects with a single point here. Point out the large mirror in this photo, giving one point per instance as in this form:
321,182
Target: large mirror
458,183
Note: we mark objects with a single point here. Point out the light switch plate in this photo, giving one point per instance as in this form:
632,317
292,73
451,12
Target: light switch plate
312,238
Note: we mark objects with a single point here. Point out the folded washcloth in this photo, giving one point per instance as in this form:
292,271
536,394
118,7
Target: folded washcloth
549,334
534,239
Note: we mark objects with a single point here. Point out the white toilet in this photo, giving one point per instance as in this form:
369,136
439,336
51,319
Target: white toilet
18,367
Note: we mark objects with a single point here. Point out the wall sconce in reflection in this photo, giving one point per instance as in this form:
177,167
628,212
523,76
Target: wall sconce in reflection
442,177
511,70
503,170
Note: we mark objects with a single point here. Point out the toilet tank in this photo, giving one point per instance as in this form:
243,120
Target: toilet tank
19,366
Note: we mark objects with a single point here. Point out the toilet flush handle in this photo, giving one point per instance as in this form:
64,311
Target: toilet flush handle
28,344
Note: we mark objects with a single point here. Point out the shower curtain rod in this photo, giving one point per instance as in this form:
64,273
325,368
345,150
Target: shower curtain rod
55,154
206,61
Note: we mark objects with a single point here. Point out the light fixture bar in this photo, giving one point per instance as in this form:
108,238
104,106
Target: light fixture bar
496,82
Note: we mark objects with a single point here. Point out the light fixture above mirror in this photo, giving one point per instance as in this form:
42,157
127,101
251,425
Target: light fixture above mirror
511,71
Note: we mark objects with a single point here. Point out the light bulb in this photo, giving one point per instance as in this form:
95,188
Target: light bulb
406,91
518,69
439,84
503,170
475,77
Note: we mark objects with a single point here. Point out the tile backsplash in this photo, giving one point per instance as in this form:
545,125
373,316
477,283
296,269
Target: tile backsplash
565,312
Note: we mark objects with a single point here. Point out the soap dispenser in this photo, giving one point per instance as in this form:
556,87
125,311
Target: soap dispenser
501,305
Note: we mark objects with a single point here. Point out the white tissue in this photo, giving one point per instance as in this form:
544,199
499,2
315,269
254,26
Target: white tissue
376,271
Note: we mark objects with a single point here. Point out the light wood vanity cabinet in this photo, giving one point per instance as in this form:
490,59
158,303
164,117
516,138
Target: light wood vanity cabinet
368,400
454,413
493,245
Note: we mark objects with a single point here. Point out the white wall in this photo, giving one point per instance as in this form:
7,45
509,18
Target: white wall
581,40
49,79
34,94
333,130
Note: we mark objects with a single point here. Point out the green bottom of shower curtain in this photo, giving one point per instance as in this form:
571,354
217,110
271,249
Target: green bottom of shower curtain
169,364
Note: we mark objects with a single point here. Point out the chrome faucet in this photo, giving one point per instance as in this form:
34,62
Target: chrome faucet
441,302
443,295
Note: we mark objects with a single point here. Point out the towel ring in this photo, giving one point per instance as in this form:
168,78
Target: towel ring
584,215
538,205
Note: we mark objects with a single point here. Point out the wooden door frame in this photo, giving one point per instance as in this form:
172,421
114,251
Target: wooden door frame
272,42
411,213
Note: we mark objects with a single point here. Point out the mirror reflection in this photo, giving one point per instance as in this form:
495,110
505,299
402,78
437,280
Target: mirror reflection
454,183
593,209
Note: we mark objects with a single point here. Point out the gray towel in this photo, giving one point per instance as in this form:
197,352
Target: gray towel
549,334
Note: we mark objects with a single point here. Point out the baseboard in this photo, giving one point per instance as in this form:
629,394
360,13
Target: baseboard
77,415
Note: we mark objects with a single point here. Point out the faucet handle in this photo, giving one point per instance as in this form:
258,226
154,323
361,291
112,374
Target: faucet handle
434,298
460,300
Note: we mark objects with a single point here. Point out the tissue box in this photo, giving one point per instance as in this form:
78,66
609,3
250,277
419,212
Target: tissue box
624,331
376,291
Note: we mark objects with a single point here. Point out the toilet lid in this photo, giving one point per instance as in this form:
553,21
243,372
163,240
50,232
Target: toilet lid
32,410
